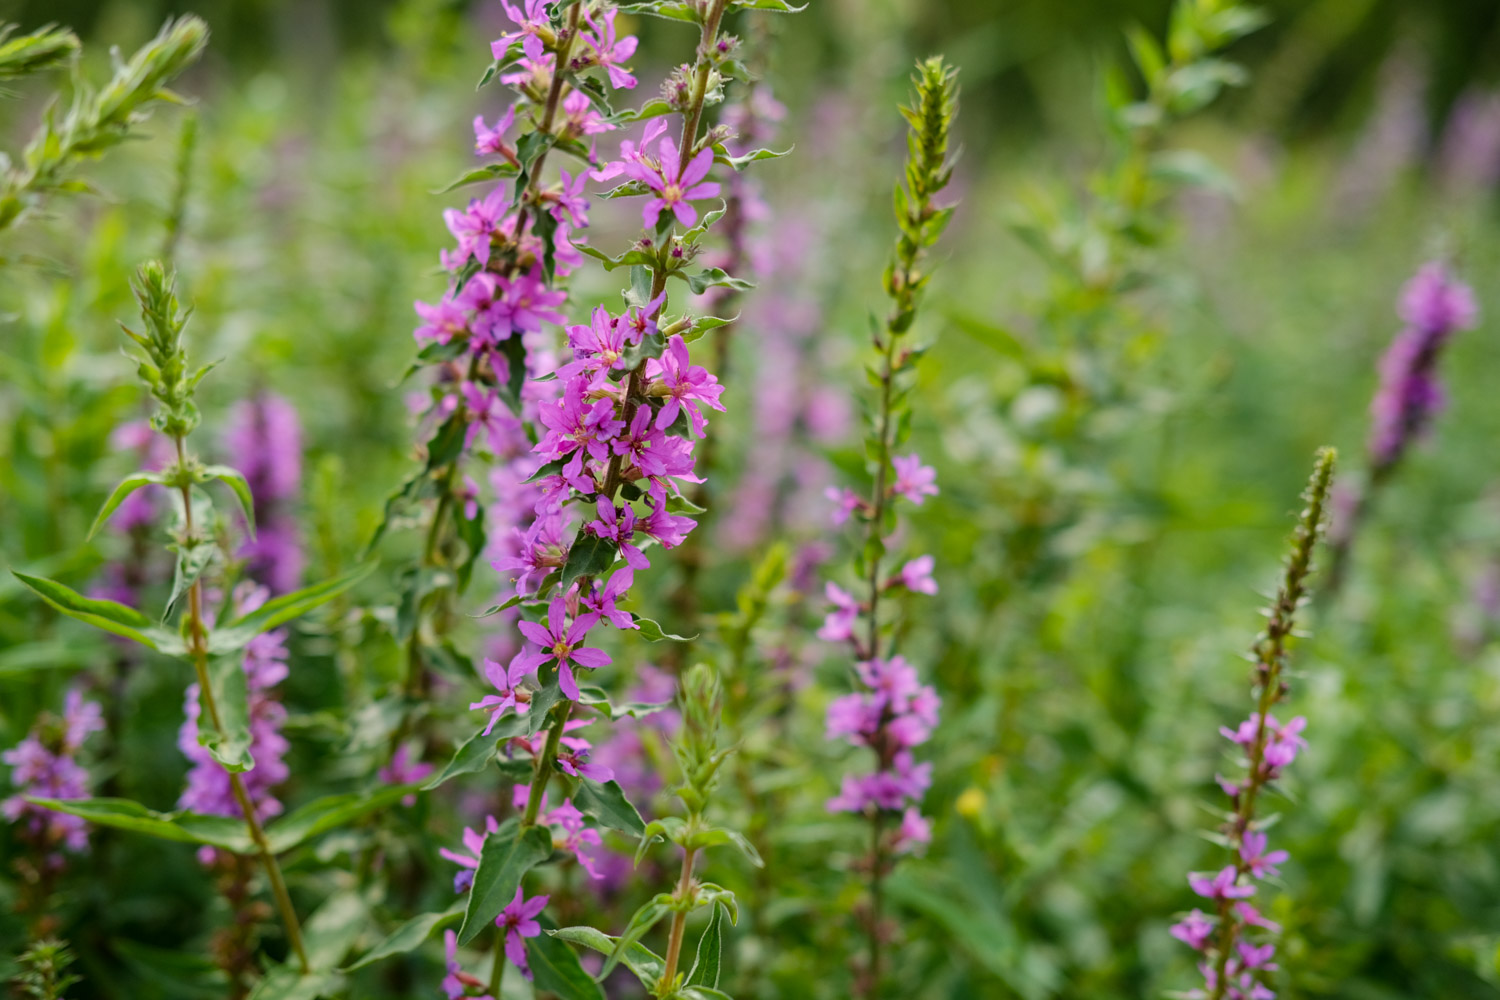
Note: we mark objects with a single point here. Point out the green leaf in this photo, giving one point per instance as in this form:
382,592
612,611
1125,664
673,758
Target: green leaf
110,616
478,750
49,654
127,486
479,175
721,155
707,961
236,482
495,609
508,854
184,827
192,559
229,741
711,277
652,632
555,968
720,835
329,934
702,324
239,632
672,10
589,555
1190,168
654,108
627,259
330,812
777,6
642,921
682,505
596,698
408,936
645,963
607,804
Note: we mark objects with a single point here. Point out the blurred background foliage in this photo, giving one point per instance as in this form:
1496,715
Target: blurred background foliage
1102,545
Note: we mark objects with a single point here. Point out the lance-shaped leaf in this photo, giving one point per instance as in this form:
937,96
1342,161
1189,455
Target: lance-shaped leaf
479,750
645,963
229,740
127,486
193,558
589,555
235,480
183,827
721,155
720,836
597,699
328,813
238,633
607,804
710,277
555,968
642,921
479,175
408,937
508,853
710,955
111,616
329,934
652,631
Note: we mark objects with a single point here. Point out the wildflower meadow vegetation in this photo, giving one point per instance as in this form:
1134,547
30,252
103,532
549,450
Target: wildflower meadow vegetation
843,499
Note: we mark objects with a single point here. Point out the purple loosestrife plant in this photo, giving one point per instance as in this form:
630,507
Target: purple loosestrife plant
229,724
615,426
892,712
1231,937
1434,305
264,439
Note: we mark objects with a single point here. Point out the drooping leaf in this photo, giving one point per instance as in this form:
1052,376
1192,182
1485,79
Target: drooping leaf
184,827
235,480
408,936
555,968
652,631
711,277
479,175
192,559
110,616
508,854
607,804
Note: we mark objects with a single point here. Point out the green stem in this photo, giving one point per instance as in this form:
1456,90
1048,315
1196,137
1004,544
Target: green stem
877,900
542,772
197,635
679,918
497,970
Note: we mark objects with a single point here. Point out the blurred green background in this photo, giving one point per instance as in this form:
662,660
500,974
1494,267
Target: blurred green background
1102,553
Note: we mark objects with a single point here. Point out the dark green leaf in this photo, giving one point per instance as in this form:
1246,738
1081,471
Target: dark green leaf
589,555
479,175
229,741
236,482
710,277
607,804
479,750
507,855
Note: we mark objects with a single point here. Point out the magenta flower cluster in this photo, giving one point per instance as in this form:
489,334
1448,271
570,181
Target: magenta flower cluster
264,441
1222,936
1433,305
46,766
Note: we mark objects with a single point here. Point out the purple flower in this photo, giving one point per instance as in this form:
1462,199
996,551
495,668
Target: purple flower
561,644
916,576
44,767
457,983
264,440
402,770
618,525
1222,885
571,834
601,599
609,52
600,346
1193,930
474,228
530,22
443,322
576,763
914,480
508,682
473,842
517,921
838,626
675,184
683,384
492,140
845,503
1257,860
581,118
1434,304
914,834
487,413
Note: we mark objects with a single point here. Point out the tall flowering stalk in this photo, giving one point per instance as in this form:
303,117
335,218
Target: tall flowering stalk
615,426
228,725
1435,304
1237,957
893,712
